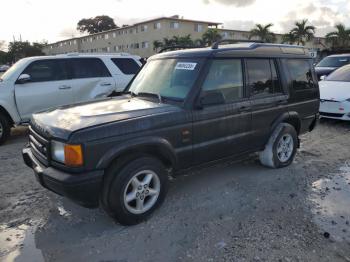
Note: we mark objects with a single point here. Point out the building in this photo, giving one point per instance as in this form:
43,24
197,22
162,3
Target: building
138,38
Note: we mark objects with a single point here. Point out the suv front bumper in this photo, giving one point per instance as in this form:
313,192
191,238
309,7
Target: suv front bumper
83,189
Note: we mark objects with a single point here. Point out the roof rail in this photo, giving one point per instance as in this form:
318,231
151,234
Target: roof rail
234,41
173,47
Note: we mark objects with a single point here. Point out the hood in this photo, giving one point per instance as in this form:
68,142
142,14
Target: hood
333,90
320,71
61,122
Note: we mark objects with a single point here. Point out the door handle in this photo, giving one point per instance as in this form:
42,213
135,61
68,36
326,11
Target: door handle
244,108
64,87
105,84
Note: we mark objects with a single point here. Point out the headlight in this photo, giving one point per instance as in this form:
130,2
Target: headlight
70,155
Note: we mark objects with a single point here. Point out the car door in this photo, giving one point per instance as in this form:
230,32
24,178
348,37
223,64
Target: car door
219,128
90,79
47,87
268,99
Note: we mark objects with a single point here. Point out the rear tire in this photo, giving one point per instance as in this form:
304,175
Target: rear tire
281,148
5,128
135,190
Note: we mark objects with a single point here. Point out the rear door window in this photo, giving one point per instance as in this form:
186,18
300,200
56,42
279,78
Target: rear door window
262,77
127,65
88,68
225,76
47,70
300,73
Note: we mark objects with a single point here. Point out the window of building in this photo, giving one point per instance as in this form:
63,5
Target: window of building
300,73
136,45
226,77
174,25
88,68
157,25
262,77
75,42
198,28
106,36
108,49
114,35
144,28
47,70
127,65
145,45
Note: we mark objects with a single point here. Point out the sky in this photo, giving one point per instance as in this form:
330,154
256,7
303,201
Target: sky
37,20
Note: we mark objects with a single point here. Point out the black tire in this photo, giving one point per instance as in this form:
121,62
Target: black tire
117,179
270,156
5,128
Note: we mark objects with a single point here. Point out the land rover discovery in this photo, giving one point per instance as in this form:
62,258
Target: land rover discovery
183,109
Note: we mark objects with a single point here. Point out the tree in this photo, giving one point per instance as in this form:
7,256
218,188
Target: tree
289,38
303,32
211,36
96,24
157,45
340,37
20,49
263,33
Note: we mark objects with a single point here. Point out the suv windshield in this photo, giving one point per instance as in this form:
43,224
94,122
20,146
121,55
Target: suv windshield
167,78
334,61
7,75
342,74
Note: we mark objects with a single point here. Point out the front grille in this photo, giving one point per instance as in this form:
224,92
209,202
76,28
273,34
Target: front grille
39,145
331,114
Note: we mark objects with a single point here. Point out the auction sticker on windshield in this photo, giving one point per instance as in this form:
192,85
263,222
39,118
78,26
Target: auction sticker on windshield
185,66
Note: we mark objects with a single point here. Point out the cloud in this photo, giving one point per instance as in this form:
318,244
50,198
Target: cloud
322,17
236,3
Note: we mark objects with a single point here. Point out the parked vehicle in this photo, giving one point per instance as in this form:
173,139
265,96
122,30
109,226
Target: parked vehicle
183,109
39,83
335,94
330,63
4,68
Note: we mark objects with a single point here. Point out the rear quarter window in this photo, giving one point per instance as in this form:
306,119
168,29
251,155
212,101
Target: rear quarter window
89,68
300,72
128,66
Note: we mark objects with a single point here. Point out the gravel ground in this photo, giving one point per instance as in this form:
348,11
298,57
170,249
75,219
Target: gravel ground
234,211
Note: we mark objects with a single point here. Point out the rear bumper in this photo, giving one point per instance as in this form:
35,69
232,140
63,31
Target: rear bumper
83,189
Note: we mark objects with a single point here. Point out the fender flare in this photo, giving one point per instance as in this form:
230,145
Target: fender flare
292,118
162,145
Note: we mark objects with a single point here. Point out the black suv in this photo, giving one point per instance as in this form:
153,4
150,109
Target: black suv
183,109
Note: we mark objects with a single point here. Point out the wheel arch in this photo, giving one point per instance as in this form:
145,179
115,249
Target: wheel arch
154,146
291,118
6,113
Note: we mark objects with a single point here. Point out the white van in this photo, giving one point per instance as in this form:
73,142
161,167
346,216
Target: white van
38,83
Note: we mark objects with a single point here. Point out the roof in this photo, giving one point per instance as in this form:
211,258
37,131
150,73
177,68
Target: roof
240,49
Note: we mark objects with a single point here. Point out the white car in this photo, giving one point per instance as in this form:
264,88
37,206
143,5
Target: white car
38,83
335,94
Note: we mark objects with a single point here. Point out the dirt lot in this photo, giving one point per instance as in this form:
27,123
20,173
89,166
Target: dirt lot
229,212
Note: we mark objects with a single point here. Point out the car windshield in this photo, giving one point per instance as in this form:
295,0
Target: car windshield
342,74
334,61
7,75
167,78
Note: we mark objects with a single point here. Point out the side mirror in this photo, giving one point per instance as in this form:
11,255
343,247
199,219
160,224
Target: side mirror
212,98
23,78
323,78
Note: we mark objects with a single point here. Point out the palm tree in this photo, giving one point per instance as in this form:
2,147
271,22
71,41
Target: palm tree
263,33
303,32
289,38
211,36
156,45
340,37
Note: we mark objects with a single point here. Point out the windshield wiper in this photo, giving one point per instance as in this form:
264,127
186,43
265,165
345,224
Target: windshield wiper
151,94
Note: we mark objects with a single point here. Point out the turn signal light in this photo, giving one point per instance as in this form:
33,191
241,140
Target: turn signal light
73,155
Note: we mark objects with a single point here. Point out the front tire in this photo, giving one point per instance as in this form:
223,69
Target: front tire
5,128
136,189
281,148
